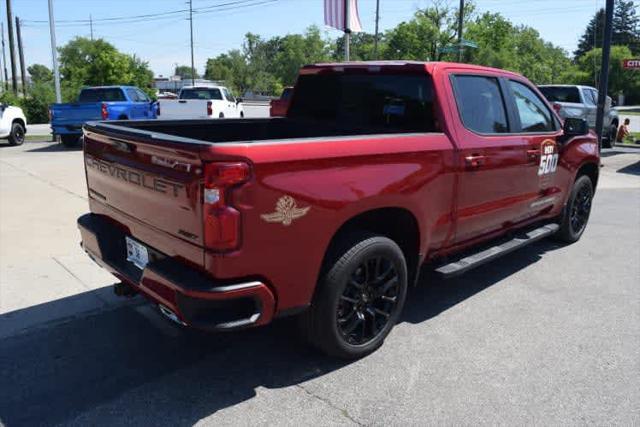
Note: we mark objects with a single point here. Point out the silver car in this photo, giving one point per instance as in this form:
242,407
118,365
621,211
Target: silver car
582,102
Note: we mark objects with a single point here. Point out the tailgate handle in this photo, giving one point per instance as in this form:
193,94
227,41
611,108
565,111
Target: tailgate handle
121,145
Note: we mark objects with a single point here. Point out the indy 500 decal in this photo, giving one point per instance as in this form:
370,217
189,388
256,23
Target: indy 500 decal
548,157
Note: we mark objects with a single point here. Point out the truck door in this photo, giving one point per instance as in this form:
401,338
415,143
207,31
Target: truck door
590,97
539,130
495,189
144,103
231,109
134,105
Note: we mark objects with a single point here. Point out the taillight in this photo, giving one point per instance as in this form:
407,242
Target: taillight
209,108
221,220
104,113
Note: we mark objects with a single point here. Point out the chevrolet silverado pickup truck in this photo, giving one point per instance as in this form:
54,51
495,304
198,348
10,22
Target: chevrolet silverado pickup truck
95,103
202,102
329,213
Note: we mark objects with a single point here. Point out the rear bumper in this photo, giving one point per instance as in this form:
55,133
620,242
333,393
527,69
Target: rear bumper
68,129
196,299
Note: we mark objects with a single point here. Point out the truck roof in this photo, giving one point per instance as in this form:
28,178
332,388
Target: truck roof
567,85
108,87
417,66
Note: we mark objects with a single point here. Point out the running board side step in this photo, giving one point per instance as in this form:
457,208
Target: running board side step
475,260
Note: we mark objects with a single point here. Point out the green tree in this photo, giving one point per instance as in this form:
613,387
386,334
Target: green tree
85,62
516,48
621,80
231,68
40,73
296,50
625,30
184,71
626,25
362,47
423,37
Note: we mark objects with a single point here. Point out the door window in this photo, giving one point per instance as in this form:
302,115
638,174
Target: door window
228,95
589,99
142,97
480,104
534,114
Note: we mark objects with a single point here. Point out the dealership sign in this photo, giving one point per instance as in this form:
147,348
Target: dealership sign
631,64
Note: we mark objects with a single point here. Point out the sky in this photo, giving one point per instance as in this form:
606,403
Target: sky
163,40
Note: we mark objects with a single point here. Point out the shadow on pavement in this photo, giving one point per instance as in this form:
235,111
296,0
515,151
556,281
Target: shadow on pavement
632,169
54,147
53,373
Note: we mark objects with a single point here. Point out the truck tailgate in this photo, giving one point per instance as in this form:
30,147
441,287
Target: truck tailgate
183,109
76,112
153,182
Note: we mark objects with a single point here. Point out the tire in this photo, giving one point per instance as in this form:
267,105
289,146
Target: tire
16,136
359,298
576,212
70,141
613,133
242,114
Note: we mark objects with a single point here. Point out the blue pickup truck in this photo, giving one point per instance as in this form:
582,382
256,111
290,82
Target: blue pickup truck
99,103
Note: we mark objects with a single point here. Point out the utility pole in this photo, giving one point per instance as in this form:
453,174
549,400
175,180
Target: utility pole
604,70
375,42
347,30
193,68
91,26
54,53
23,70
12,53
4,60
460,15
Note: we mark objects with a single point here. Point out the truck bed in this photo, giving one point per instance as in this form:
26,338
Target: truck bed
240,130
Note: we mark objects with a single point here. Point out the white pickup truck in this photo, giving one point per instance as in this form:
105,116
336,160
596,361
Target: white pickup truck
201,102
13,124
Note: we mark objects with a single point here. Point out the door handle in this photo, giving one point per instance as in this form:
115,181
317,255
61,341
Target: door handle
474,160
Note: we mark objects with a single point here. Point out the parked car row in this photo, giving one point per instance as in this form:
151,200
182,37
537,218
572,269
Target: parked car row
131,103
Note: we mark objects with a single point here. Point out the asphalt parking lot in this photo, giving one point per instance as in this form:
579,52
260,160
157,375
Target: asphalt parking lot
547,335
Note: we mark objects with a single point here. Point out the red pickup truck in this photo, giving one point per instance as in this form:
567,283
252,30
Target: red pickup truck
328,213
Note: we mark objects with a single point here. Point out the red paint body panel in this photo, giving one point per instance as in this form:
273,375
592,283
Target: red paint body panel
456,204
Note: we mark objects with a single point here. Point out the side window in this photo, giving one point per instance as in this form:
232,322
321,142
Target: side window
587,94
594,95
142,97
534,114
228,95
133,96
480,103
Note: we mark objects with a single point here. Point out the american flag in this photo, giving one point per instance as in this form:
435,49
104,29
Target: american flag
334,15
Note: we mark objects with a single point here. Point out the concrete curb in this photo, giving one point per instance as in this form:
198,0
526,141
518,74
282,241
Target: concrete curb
636,146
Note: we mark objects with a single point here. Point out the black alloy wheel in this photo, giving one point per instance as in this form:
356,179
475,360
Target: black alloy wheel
360,295
580,209
368,301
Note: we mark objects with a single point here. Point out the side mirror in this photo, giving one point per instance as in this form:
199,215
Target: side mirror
238,100
574,126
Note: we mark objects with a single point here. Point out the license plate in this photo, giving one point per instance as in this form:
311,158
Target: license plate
137,253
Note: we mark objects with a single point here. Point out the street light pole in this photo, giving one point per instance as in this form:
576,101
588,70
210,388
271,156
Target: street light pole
347,30
375,42
604,71
460,14
193,69
54,53
12,53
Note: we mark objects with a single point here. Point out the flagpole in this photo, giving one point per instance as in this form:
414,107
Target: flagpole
347,30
